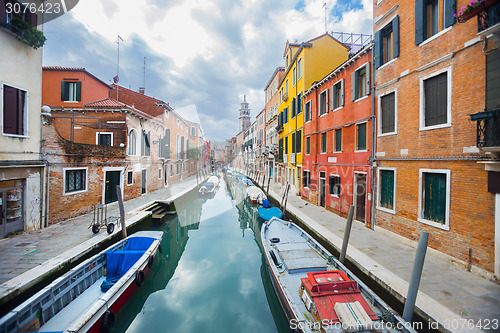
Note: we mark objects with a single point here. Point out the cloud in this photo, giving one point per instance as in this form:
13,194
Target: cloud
204,52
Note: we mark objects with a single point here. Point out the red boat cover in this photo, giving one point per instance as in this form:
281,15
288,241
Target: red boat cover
329,287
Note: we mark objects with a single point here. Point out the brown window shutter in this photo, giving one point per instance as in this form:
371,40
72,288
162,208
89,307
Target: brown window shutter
21,98
9,110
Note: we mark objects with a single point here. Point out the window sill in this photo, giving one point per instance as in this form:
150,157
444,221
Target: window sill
361,151
434,224
334,196
75,192
322,115
16,136
387,210
340,107
428,128
387,63
336,152
430,39
74,102
130,184
387,134
361,98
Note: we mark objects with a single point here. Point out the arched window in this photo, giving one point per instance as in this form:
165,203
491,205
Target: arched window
132,142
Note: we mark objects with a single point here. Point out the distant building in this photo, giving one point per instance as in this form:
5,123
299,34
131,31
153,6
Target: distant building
244,115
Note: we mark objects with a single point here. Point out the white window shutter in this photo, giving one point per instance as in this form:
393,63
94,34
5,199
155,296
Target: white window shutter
353,86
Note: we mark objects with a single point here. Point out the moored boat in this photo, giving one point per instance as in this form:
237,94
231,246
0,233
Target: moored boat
207,189
255,195
316,291
86,298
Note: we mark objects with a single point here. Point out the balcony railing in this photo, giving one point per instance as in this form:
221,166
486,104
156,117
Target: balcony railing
488,128
489,17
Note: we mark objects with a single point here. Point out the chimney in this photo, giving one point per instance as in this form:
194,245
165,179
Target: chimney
141,90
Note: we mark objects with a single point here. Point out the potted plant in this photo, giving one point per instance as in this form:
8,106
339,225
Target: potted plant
27,33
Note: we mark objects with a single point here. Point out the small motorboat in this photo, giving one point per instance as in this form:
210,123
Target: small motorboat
255,195
268,213
214,179
316,291
207,189
86,298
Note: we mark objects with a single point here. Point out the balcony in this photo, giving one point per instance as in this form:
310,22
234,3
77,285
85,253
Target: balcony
488,130
488,19
279,128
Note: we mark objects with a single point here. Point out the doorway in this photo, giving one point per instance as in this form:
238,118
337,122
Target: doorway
360,196
322,188
143,181
11,207
112,180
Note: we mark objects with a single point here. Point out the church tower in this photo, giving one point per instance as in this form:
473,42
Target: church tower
244,115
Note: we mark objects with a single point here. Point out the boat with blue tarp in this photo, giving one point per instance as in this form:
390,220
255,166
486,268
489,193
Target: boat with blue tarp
86,298
268,213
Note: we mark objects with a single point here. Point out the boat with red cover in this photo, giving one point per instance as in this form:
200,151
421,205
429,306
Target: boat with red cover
86,298
316,291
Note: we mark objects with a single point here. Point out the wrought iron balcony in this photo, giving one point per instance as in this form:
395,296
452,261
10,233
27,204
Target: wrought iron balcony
488,128
489,17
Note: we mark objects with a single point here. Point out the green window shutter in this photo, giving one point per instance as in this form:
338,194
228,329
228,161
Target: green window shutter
377,55
292,113
450,8
338,139
395,36
493,80
387,189
342,92
435,197
299,141
293,142
286,145
368,78
353,85
334,98
388,113
419,21
362,136
79,91
64,91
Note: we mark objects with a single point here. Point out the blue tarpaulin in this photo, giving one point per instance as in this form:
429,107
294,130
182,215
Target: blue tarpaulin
120,261
266,203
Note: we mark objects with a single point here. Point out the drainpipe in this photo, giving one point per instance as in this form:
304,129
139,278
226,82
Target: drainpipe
374,145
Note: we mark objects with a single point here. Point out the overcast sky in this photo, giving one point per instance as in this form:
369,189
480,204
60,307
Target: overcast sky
203,52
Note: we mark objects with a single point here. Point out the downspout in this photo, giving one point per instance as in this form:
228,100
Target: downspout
374,146
317,137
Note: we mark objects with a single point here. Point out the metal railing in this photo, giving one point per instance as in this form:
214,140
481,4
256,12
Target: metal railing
488,128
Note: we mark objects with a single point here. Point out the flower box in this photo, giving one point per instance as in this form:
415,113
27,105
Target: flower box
473,8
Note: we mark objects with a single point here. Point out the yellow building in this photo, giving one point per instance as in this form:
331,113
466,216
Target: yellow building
305,63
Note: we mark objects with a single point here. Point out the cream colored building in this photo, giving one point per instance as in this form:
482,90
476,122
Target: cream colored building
22,171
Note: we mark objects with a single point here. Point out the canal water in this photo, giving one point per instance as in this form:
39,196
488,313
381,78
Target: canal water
211,275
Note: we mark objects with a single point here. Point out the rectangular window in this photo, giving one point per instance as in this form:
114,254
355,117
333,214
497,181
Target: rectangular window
104,139
360,82
387,43
338,140
75,180
334,185
177,171
160,172
323,102
308,145
307,113
361,137
435,95
299,103
285,115
433,16
387,190
298,142
323,142
286,88
294,76
306,178
280,150
71,91
293,108
171,170
434,200
299,69
146,143
338,95
286,145
130,177
15,111
293,142
388,113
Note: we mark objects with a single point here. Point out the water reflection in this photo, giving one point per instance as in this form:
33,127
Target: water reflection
211,276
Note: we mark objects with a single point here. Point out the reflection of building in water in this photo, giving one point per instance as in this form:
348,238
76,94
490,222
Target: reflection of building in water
188,213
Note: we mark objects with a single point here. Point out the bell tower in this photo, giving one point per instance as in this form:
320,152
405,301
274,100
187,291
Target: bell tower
244,115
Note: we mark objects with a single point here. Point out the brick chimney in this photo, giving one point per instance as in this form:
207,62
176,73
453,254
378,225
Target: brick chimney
142,90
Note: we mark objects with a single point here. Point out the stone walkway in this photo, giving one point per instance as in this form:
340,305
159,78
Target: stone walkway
448,294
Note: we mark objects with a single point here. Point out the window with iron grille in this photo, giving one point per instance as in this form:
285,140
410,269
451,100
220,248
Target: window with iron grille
75,180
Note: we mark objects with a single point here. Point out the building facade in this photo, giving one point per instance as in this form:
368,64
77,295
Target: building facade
433,173
22,167
338,139
304,64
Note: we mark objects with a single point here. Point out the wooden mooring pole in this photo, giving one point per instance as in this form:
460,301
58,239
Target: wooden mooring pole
122,211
